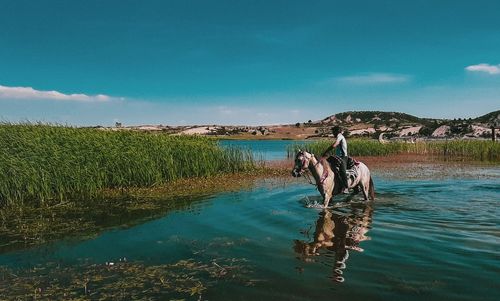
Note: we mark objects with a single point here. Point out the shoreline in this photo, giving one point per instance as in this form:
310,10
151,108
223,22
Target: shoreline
23,227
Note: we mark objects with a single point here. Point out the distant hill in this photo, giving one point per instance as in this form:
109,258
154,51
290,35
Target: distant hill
396,124
372,117
380,117
374,124
490,118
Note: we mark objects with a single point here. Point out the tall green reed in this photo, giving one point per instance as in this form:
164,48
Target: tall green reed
474,149
42,163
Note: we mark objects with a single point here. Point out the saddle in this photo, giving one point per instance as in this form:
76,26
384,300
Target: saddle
351,170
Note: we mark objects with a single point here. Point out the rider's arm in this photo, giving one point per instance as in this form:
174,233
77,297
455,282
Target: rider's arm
337,142
333,146
329,149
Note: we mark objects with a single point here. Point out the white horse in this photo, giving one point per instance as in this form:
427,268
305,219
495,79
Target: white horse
325,177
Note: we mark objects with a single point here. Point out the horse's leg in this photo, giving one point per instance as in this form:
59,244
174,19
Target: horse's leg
326,200
371,189
324,195
328,193
366,187
365,192
356,189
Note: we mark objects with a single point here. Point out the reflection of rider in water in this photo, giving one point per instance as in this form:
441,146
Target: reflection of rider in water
341,253
337,233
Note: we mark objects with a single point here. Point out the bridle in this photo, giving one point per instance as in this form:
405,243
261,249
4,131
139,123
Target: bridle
304,166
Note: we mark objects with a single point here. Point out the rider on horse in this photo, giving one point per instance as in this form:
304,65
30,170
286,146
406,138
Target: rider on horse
340,147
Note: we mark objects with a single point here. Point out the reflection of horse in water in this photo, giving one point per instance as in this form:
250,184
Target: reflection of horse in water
337,233
327,181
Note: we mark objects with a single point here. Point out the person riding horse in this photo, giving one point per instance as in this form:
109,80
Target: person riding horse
340,147
327,181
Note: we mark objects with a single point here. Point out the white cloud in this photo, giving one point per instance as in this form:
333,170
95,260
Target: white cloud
373,79
30,93
490,69
225,110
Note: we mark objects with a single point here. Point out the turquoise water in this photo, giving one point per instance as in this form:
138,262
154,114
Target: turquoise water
433,239
269,150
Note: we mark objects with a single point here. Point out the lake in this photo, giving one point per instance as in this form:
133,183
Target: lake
426,238
268,150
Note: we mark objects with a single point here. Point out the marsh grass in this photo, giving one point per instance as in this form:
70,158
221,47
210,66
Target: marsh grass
481,150
43,164
186,279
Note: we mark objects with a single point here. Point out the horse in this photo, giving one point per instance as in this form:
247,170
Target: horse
325,177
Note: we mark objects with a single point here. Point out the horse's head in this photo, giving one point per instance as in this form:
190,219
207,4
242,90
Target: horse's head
301,163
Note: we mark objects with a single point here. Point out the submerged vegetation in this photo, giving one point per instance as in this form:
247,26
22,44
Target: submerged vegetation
26,226
42,164
473,149
123,280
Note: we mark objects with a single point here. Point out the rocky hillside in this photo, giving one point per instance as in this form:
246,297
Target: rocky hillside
375,117
404,126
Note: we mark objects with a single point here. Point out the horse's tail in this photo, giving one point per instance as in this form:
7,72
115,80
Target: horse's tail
371,190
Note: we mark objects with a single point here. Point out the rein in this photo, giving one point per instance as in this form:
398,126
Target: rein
305,162
325,173
306,175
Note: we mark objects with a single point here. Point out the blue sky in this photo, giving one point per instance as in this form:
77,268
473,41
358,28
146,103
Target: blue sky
245,62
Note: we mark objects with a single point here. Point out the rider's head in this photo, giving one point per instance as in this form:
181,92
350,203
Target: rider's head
336,130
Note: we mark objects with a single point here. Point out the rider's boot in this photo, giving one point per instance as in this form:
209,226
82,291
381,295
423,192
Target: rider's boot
346,188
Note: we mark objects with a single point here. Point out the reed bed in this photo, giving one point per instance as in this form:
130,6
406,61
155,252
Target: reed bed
45,164
465,149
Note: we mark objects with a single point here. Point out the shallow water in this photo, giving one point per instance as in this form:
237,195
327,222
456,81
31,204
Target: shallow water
434,239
